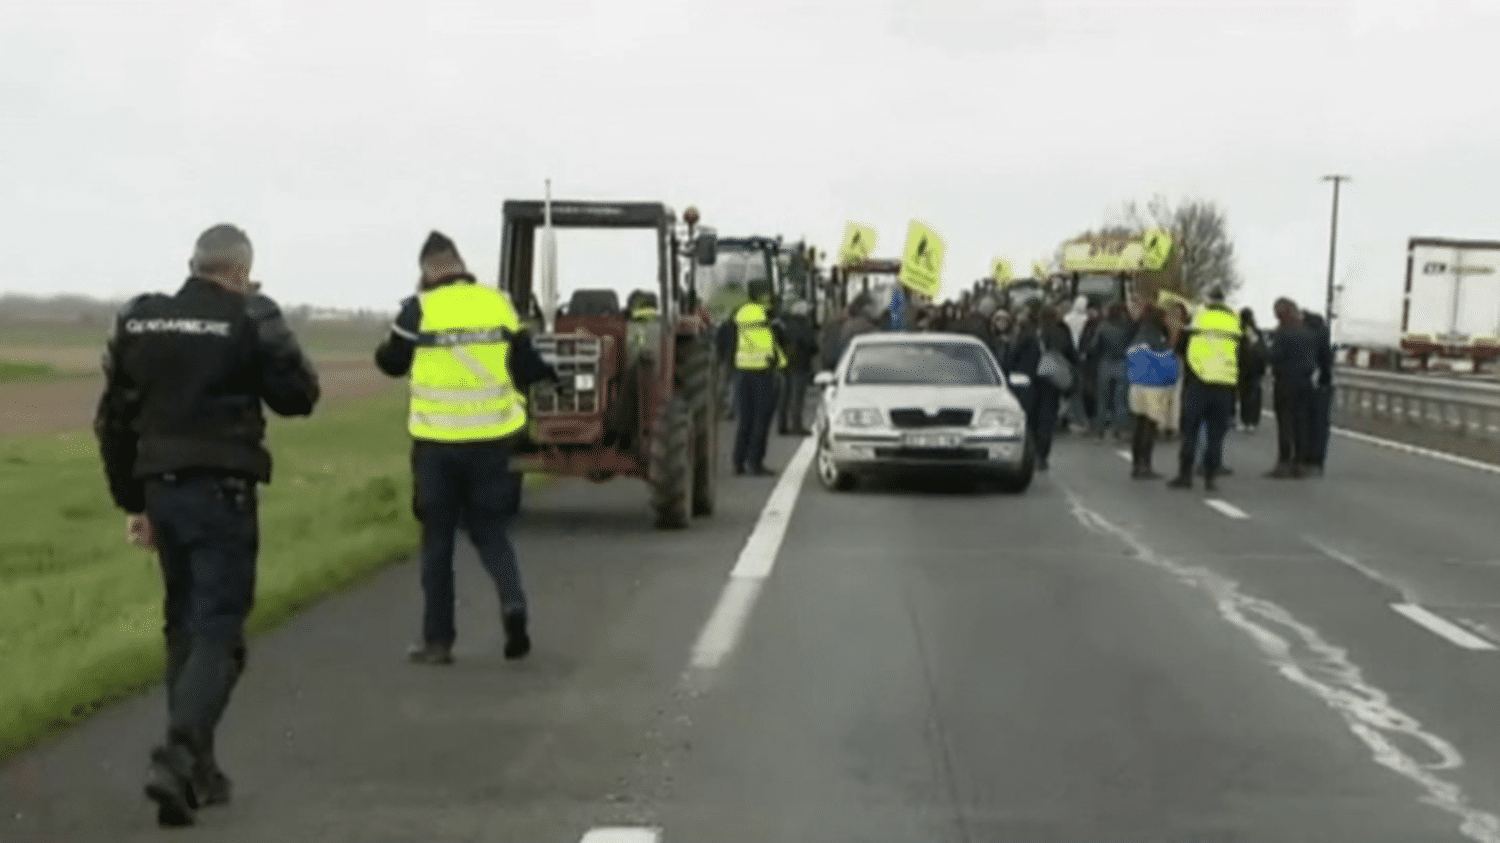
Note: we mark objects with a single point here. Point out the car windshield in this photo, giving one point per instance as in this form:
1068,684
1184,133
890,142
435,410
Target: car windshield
922,364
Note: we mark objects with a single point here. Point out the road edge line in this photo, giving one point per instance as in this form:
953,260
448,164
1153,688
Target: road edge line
622,834
722,630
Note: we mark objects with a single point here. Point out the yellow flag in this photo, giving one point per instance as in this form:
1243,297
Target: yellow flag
859,243
1158,243
1000,270
1038,269
922,262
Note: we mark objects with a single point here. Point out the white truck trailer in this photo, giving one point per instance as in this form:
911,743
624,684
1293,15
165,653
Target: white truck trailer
1452,304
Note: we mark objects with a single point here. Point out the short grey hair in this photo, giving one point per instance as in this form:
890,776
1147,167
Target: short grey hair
221,246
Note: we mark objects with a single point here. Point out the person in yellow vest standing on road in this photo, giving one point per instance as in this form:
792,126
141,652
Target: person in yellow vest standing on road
758,356
469,362
1211,349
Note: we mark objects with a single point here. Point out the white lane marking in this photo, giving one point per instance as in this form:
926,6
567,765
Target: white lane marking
621,834
1125,455
1303,657
1439,625
1227,509
722,631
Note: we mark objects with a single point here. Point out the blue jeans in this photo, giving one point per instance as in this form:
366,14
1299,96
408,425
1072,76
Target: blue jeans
1113,396
471,485
207,536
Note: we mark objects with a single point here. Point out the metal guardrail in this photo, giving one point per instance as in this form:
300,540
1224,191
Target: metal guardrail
1469,408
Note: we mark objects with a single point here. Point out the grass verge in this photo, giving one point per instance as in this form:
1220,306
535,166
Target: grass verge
80,610
16,370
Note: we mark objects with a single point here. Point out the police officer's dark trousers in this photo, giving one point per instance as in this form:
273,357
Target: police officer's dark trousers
466,484
207,534
1210,408
757,404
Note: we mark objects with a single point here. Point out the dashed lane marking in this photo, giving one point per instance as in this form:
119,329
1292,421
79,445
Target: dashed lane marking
722,631
1125,455
1443,627
1227,509
622,834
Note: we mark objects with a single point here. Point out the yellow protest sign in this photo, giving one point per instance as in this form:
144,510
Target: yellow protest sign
1158,247
859,243
922,261
1000,270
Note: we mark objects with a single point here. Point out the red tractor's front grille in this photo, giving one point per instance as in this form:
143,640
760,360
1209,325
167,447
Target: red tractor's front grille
576,358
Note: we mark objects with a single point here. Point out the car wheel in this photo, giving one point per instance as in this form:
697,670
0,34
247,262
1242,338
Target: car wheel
830,475
1018,481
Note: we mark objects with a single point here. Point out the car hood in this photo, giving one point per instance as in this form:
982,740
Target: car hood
887,397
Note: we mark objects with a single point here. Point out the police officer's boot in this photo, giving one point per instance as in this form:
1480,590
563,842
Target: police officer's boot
517,639
1208,479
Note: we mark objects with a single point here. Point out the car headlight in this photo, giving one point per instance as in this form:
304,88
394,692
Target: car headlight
861,417
1002,421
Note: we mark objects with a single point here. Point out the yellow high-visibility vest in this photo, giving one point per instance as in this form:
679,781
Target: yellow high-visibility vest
461,389
1213,349
756,349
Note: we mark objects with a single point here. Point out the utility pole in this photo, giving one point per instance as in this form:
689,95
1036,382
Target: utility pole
1333,239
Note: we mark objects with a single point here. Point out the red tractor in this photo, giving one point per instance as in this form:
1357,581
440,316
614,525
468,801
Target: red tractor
641,403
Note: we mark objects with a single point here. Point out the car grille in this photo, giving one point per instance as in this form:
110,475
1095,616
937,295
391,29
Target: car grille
949,417
931,453
571,355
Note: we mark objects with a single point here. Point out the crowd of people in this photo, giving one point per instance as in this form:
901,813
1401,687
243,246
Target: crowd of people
1141,372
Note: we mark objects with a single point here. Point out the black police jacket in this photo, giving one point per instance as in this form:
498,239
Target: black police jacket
185,378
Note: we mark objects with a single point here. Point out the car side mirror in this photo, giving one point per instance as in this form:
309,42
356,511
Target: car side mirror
824,379
706,249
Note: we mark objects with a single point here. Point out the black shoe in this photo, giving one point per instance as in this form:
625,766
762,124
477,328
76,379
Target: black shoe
517,640
1209,485
1042,465
429,654
739,471
762,471
1181,481
169,786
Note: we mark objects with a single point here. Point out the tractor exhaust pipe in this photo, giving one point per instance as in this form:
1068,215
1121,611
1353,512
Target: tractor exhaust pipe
548,294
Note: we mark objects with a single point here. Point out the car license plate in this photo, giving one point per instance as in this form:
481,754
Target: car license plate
932,440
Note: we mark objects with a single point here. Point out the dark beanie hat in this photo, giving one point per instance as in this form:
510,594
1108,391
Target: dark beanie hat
437,245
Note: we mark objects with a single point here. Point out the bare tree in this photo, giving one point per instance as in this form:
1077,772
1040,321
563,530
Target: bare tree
1201,231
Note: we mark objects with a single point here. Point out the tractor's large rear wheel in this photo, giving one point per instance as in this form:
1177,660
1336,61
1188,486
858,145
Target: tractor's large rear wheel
698,390
671,473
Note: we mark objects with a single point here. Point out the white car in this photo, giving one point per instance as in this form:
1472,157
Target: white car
927,401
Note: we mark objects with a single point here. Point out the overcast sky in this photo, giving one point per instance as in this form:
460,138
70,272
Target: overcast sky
339,132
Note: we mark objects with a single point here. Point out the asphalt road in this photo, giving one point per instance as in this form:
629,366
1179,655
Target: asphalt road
1097,659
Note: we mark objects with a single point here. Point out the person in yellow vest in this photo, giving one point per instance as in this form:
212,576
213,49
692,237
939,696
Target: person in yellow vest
470,363
758,357
1210,347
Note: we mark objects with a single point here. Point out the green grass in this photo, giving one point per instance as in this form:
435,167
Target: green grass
13,370
80,610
